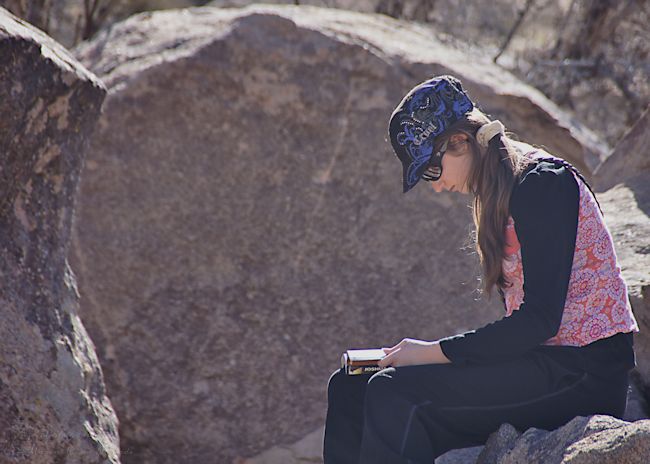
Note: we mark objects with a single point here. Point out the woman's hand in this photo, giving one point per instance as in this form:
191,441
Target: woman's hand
411,351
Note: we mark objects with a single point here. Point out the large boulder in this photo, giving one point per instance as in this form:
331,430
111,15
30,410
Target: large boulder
241,219
629,159
584,440
53,406
622,184
627,213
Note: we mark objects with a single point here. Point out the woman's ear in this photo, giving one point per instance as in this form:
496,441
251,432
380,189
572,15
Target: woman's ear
457,138
458,144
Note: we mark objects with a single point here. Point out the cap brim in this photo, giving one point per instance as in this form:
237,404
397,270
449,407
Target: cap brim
412,169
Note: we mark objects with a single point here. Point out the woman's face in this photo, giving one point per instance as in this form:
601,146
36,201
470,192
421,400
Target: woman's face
456,164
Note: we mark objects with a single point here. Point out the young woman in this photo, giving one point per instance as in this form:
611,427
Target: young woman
565,344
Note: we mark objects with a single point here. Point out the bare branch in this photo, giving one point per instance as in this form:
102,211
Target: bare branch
560,38
520,18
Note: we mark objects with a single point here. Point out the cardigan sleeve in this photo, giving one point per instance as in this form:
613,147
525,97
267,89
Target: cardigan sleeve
544,206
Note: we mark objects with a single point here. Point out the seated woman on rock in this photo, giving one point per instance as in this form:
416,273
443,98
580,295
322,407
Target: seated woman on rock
565,345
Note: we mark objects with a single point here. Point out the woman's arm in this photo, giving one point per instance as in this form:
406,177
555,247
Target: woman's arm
411,351
545,209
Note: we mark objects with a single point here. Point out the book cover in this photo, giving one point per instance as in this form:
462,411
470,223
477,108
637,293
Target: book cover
355,362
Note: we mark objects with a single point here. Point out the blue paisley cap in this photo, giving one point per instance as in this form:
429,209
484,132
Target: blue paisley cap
423,114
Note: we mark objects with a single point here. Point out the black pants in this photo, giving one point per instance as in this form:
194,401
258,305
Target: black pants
413,414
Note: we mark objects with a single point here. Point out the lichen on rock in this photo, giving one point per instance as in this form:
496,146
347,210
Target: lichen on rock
53,403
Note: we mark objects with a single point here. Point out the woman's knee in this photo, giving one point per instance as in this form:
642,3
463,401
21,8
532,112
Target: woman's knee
341,385
334,383
381,387
405,383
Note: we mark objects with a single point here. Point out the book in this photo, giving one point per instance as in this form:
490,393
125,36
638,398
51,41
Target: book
355,362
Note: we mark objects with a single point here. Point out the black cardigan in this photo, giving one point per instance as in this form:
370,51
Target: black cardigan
544,205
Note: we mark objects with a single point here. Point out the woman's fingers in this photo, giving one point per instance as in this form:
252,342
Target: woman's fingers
393,348
388,359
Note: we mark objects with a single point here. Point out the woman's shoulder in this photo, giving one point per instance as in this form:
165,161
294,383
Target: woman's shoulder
546,181
542,166
541,172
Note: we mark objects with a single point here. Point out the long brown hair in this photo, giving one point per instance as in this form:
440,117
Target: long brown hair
493,174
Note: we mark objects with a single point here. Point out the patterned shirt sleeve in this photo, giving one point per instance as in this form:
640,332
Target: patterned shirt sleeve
544,206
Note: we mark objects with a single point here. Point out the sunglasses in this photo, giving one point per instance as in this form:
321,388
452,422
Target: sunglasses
433,170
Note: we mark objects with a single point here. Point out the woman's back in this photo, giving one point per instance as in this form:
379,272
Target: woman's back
596,302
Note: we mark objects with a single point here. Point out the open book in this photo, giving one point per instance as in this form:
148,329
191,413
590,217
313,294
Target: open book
356,362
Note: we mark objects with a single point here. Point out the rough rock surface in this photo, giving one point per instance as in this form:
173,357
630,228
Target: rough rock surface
460,456
627,212
53,407
584,440
630,158
241,219
622,184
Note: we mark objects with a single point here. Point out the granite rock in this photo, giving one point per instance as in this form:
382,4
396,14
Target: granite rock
629,158
241,221
622,185
594,439
53,404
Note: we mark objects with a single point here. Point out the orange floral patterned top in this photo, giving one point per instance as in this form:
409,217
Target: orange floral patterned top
597,304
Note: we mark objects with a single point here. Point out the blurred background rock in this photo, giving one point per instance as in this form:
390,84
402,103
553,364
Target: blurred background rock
591,57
